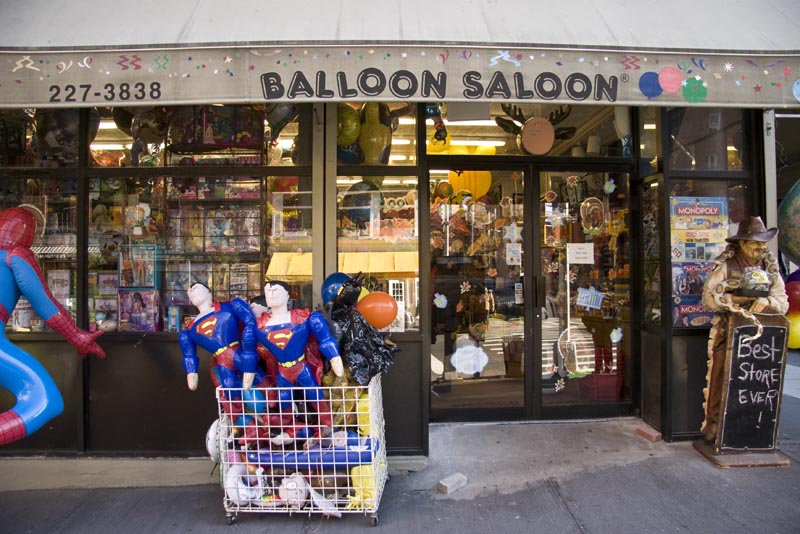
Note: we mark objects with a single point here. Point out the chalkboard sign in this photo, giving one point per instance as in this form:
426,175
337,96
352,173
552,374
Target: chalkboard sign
752,393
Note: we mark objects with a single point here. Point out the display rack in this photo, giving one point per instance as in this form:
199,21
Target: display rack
326,457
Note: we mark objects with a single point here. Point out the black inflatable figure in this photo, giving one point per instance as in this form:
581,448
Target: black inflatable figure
365,350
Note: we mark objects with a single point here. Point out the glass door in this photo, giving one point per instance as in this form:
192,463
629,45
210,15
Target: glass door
585,264
477,304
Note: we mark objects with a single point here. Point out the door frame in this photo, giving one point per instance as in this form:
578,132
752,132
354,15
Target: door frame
530,167
536,409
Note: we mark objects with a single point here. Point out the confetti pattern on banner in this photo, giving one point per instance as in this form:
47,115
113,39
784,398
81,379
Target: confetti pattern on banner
676,78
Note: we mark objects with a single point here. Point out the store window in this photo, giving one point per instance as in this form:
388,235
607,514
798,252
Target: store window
151,238
537,129
287,231
378,236
54,203
702,214
199,136
707,139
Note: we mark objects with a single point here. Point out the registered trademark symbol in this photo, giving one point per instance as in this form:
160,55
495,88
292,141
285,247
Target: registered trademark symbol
625,77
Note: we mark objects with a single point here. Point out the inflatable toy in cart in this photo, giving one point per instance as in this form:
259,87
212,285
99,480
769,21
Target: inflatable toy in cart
273,464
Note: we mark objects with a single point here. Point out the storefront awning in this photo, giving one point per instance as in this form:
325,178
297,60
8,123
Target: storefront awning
89,53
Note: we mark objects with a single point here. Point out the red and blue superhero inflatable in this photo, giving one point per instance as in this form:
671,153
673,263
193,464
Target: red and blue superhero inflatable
38,398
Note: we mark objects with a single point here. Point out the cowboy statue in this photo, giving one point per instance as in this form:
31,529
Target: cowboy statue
745,288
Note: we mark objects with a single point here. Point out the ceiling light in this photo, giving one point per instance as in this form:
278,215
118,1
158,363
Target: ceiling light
108,125
649,126
109,146
484,122
401,141
476,142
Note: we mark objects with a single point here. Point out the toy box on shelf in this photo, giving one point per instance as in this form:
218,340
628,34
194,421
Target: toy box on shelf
236,131
139,310
139,266
328,459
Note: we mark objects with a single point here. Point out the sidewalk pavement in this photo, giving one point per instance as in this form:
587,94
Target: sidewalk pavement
567,476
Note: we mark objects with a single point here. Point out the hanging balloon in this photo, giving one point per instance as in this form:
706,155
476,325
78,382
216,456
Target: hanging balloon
123,118
444,190
375,136
278,116
57,131
789,235
378,308
150,124
331,285
794,330
793,292
350,154
348,125
476,182
436,145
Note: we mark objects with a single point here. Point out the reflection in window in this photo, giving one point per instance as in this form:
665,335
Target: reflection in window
377,228
287,229
706,139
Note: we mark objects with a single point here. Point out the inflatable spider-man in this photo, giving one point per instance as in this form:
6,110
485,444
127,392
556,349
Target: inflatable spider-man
38,398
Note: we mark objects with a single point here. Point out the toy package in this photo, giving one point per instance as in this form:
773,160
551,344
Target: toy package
211,188
195,129
220,233
181,188
248,223
177,279
243,188
139,311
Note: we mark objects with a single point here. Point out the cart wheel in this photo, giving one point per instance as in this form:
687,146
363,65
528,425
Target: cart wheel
231,519
373,520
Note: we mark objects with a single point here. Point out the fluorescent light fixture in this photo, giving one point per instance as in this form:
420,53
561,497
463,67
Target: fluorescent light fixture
391,181
397,157
732,148
109,146
285,144
429,122
476,142
438,171
649,126
482,122
410,181
401,141
108,125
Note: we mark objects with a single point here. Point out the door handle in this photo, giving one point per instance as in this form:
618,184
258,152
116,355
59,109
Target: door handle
541,298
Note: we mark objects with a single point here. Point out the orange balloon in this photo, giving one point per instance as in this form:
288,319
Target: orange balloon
378,308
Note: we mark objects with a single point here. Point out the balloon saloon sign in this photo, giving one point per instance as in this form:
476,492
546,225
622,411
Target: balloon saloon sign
403,84
175,76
